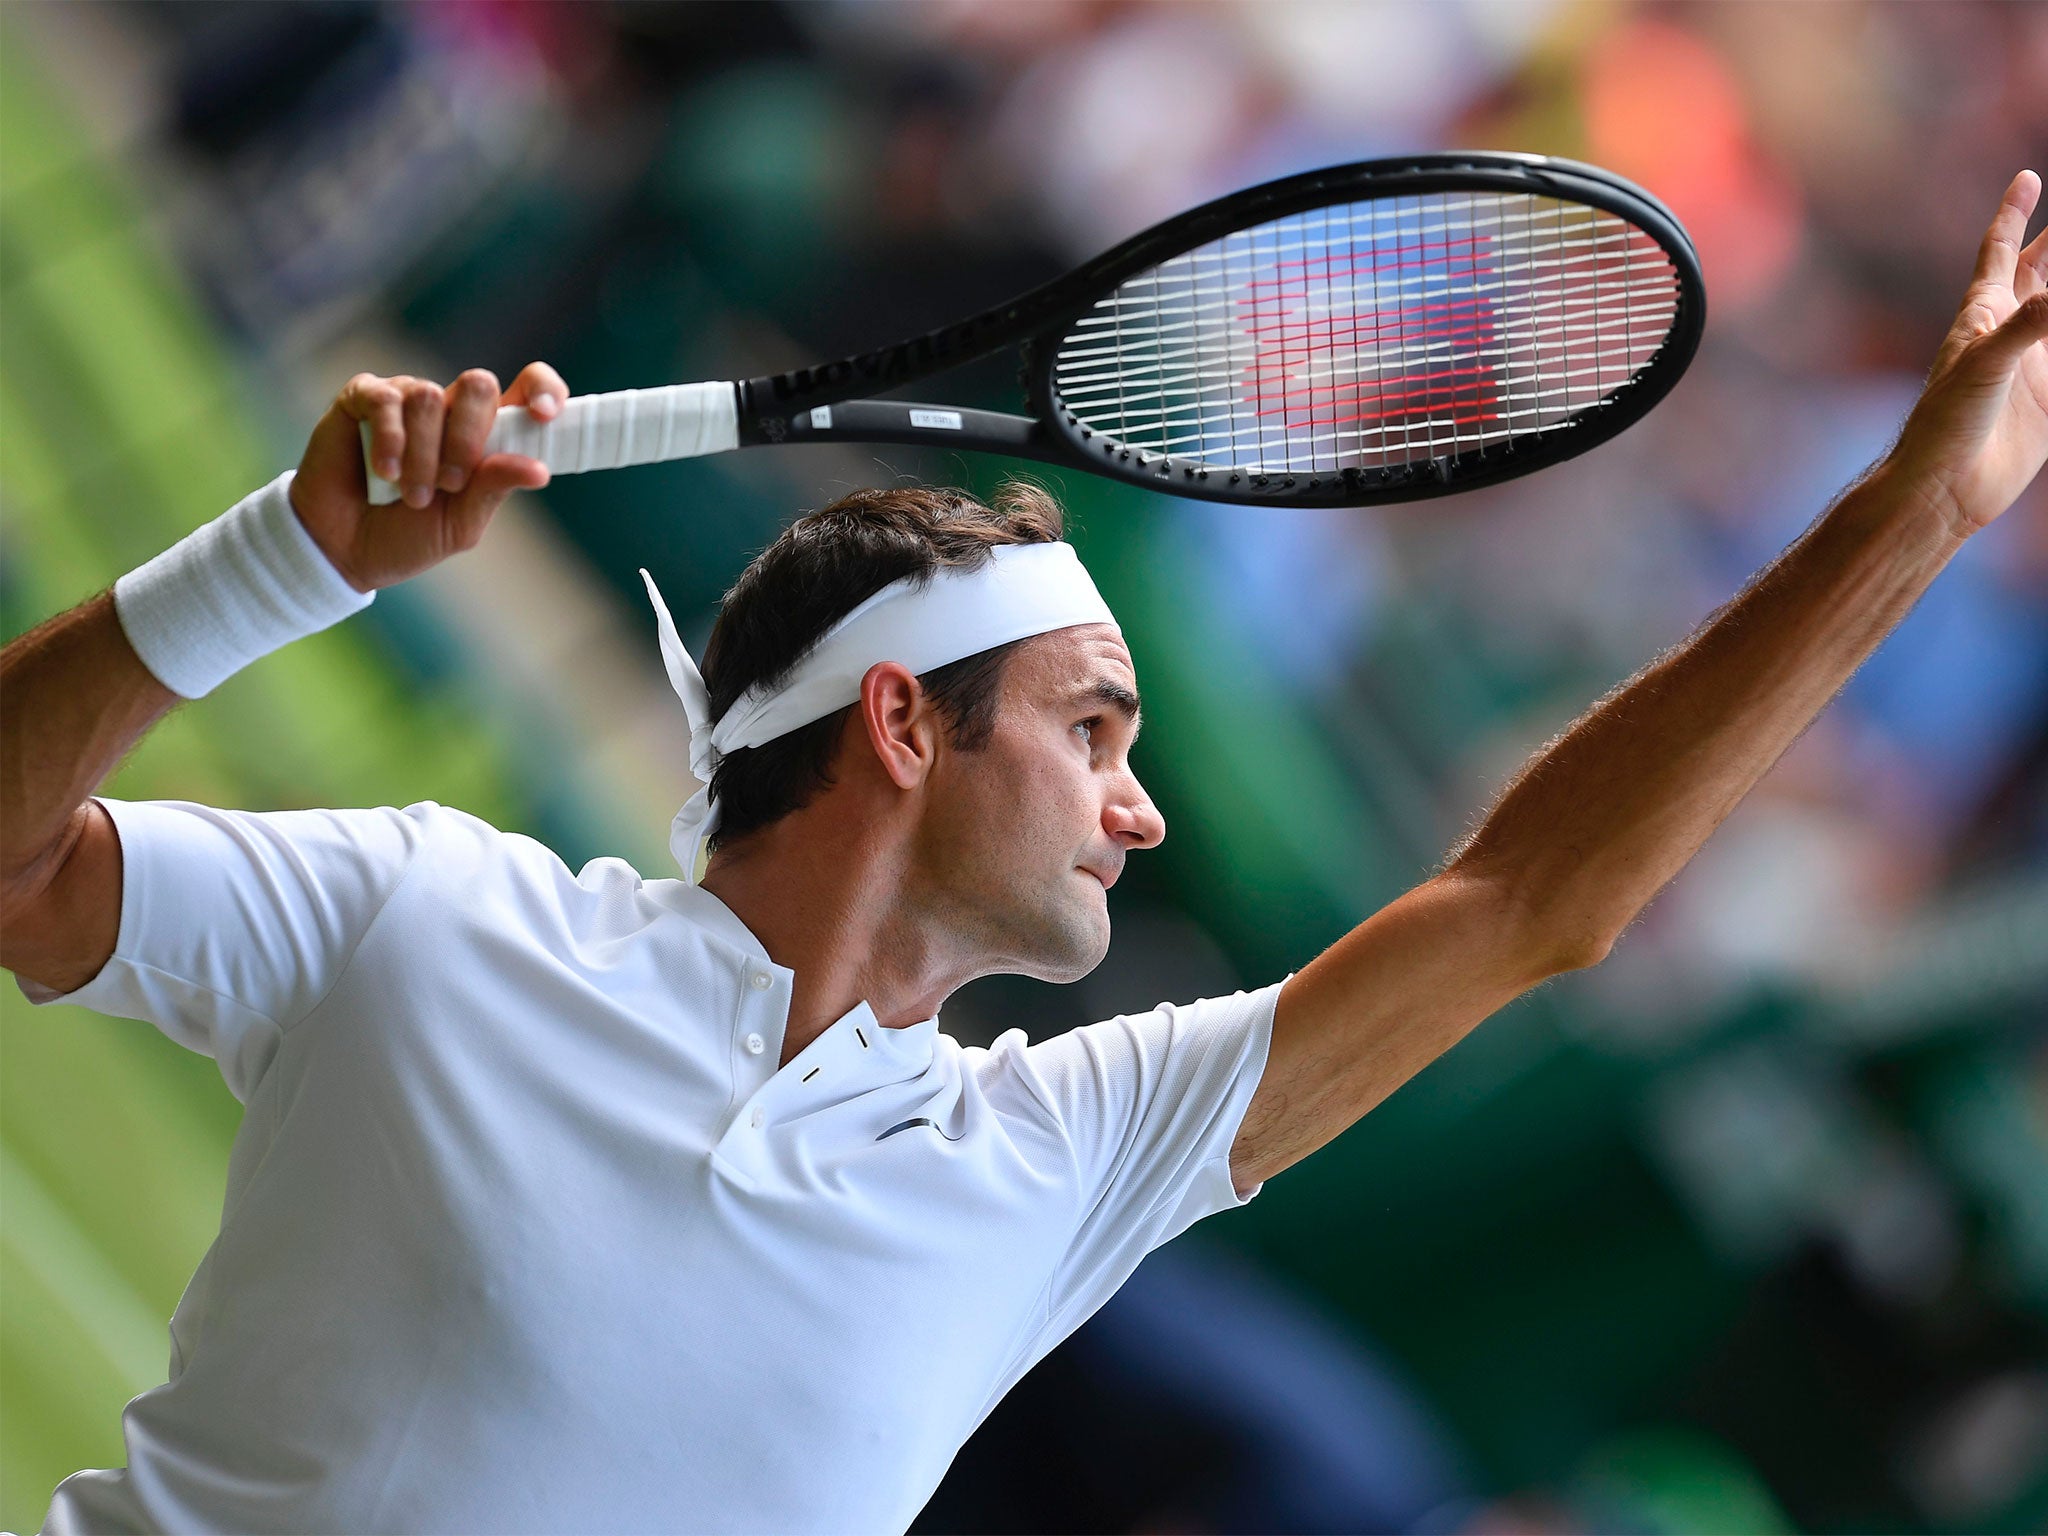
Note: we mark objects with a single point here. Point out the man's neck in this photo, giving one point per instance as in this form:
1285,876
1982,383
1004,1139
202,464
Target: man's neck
835,916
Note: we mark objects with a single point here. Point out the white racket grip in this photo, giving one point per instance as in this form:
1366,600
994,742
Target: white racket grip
629,426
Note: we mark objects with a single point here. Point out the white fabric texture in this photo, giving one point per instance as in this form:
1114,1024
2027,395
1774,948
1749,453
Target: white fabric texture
921,622
526,1230
242,586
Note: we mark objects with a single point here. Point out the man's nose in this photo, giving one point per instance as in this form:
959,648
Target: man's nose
1132,819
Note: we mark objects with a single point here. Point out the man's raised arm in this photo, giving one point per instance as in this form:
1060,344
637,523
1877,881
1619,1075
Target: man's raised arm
79,691
1595,825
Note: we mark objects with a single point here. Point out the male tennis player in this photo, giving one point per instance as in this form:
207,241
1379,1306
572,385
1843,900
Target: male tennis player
580,1201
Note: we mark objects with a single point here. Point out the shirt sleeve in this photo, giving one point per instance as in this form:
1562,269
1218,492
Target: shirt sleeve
1149,1105
235,924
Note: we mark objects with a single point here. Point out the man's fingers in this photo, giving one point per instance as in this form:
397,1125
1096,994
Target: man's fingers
503,473
430,439
378,402
2032,276
424,407
472,408
1998,256
493,480
540,389
2023,328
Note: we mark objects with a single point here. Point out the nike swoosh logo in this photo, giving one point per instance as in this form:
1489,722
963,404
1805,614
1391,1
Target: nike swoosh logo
911,1125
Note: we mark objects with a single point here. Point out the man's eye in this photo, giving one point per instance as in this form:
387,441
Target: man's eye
1087,727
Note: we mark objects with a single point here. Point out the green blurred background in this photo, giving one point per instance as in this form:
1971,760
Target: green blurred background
1747,1229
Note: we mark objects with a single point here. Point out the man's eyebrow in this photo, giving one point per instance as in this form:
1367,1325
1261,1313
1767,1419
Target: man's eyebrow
1119,698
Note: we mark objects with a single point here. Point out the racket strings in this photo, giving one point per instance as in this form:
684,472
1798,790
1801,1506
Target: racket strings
1373,334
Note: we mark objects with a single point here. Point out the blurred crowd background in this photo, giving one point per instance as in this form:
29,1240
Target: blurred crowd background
1744,1230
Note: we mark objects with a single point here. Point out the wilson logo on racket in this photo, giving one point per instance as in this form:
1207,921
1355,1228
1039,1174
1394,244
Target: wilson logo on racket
1368,333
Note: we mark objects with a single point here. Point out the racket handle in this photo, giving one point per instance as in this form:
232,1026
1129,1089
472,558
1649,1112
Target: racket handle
629,426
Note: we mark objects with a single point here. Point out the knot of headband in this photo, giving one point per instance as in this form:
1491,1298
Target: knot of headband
922,622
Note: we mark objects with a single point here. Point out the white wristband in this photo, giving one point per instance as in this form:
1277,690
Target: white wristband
248,582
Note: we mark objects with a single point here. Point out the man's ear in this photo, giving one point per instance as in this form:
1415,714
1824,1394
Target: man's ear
902,724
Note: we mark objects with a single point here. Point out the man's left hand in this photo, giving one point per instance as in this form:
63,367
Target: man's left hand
1979,433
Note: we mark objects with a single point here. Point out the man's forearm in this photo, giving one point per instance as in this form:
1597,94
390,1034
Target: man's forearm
76,698
1595,825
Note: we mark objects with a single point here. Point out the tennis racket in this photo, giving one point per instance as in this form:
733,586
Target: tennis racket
1370,333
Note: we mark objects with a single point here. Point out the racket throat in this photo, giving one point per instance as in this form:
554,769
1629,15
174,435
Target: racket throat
889,421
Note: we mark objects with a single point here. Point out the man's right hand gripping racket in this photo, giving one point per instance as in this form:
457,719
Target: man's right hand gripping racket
1370,333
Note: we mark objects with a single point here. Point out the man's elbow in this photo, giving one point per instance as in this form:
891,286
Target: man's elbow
1550,936
1579,948
60,916
1539,932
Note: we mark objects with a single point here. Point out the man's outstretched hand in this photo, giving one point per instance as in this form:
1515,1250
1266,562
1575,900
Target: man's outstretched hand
430,440
1979,434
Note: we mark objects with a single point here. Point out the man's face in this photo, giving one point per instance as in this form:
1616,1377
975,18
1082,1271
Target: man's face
1025,835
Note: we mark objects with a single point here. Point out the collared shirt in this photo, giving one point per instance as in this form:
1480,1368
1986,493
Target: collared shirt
526,1229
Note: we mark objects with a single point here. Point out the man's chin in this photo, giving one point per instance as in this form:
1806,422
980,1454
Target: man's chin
1075,944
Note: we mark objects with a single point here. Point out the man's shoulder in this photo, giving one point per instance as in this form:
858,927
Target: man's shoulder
466,844
490,878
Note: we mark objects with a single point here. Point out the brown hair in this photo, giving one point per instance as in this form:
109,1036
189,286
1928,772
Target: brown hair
822,567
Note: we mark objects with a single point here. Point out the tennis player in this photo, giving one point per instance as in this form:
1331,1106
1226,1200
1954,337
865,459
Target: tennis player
581,1201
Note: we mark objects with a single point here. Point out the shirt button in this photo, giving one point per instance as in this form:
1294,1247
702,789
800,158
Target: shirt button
756,1045
761,981
759,1116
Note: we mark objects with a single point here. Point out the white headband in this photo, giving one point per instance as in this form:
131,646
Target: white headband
1023,590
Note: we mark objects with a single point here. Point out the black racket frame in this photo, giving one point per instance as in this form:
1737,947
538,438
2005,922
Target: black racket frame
778,408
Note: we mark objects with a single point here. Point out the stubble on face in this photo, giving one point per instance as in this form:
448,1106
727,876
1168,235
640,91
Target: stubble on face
1018,823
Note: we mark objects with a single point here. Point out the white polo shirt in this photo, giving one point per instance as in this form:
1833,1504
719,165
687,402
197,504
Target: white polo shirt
525,1231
